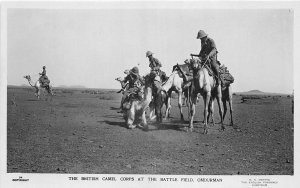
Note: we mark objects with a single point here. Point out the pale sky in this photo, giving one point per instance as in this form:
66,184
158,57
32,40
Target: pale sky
93,47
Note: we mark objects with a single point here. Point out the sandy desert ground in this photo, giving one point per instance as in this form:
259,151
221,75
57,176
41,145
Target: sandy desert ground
80,131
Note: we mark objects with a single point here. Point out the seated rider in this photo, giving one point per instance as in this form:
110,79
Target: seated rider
135,83
44,78
208,53
155,71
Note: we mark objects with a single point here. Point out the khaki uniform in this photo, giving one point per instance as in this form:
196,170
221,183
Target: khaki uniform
155,66
209,49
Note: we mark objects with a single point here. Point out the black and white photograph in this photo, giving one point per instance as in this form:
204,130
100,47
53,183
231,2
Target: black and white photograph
148,94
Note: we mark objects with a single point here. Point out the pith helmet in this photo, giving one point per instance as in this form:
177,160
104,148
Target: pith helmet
201,34
148,53
135,70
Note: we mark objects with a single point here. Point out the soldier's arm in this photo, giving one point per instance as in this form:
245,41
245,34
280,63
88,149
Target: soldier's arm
212,52
158,64
213,48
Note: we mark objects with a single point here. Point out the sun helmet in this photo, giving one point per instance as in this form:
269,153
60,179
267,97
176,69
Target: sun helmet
148,53
201,34
135,70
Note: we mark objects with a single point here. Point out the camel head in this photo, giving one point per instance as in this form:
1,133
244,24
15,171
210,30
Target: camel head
194,63
148,80
27,77
119,79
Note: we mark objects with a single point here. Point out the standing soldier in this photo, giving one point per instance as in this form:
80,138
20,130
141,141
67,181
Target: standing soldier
208,53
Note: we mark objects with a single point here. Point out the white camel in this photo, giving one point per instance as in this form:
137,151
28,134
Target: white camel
174,83
135,115
206,86
36,84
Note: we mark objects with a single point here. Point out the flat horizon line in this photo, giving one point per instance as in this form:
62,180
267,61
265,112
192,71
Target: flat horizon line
253,91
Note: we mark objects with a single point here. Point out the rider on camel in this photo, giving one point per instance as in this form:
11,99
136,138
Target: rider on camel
44,78
135,83
155,71
208,54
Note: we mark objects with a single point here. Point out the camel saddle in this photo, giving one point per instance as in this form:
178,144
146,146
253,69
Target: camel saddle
44,82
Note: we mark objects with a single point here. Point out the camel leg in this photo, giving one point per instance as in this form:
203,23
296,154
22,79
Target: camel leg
122,101
37,93
189,104
206,101
152,111
211,112
158,106
192,113
130,117
225,108
220,112
168,107
180,104
145,125
230,110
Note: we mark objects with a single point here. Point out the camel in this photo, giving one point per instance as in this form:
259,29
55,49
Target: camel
226,97
36,84
159,99
135,115
206,86
174,83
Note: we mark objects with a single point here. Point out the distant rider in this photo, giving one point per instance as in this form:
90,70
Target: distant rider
44,78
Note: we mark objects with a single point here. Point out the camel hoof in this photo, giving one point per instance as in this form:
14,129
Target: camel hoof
186,129
237,128
222,128
145,127
131,126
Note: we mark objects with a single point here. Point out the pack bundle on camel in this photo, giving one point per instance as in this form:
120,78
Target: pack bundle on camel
38,86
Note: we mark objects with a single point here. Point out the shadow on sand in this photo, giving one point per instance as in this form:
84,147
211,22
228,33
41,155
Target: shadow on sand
114,108
115,123
33,100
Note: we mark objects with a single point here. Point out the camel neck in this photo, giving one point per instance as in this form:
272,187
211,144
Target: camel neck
168,84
